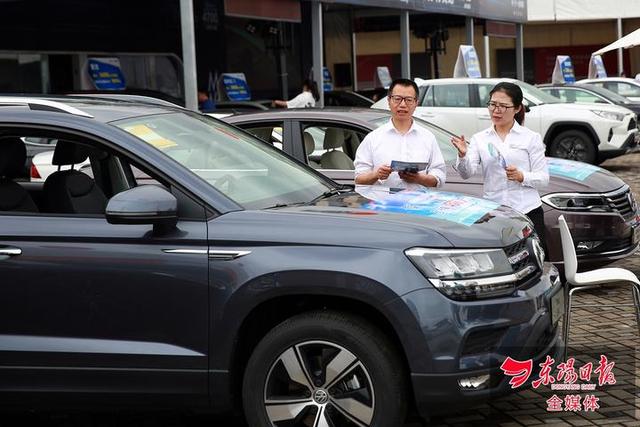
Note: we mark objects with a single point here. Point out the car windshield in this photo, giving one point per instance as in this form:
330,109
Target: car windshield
245,169
610,95
442,136
535,96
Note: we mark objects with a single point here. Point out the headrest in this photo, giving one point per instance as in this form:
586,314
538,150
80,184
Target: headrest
333,138
309,143
13,155
68,153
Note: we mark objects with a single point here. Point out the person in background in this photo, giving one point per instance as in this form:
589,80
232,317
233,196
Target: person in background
205,104
401,139
307,98
511,156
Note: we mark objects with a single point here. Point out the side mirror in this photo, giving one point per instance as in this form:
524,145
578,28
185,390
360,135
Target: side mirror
525,104
146,204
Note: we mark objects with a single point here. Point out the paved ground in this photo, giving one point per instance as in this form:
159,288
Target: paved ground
595,330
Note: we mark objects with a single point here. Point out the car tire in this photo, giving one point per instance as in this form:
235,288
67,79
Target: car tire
344,369
574,145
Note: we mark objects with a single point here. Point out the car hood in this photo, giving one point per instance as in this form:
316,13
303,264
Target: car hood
373,217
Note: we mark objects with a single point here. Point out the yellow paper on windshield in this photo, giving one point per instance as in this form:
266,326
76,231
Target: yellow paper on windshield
148,135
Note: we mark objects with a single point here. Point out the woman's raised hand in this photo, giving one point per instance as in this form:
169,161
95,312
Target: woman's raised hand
460,144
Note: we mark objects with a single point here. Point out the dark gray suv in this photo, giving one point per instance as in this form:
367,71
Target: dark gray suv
194,265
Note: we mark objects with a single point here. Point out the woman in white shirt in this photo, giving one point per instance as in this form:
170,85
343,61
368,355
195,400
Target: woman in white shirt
512,157
306,99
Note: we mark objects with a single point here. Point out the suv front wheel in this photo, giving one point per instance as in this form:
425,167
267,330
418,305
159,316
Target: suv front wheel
573,145
324,369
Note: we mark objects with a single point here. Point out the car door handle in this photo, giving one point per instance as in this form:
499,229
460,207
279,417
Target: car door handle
10,251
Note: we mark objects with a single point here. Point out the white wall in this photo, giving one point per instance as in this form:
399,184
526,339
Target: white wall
581,10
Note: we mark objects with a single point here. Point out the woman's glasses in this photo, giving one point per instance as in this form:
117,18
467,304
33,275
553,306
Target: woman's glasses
499,107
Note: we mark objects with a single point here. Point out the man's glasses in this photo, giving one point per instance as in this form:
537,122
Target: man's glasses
499,107
397,99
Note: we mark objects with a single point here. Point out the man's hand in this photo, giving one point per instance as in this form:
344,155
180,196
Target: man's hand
460,144
383,172
419,178
514,174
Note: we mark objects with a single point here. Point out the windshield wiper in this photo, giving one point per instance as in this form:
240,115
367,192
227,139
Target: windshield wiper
329,193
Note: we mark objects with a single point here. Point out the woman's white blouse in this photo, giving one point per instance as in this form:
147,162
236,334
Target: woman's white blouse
523,149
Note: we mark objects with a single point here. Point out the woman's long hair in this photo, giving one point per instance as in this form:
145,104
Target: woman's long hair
312,87
514,92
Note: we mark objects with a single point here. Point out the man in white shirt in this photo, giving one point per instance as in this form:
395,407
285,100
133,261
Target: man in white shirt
305,99
402,140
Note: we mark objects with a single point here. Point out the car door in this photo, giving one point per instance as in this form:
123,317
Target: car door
87,306
451,107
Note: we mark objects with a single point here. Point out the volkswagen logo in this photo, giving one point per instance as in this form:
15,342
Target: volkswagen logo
538,252
320,396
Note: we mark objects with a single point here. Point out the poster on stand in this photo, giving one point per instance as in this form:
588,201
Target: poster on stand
467,64
596,67
236,87
563,70
106,74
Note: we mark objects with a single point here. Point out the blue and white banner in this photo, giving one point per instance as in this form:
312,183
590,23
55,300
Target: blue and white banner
327,81
596,67
106,73
563,70
383,76
467,64
236,87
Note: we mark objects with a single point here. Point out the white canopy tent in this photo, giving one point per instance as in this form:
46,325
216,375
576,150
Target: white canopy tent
630,40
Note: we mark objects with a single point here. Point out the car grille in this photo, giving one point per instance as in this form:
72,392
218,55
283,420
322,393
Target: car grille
632,124
520,260
622,201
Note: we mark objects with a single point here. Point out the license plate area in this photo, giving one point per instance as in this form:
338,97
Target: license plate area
556,306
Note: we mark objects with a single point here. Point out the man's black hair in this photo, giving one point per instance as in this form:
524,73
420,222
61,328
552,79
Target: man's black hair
403,82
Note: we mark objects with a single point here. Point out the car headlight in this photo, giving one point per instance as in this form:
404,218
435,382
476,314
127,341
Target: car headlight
467,274
609,115
577,202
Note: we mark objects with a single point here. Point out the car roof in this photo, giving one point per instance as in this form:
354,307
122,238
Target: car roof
102,109
343,114
611,79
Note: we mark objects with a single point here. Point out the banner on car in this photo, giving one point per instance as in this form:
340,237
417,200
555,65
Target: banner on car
467,64
236,87
106,73
596,67
563,70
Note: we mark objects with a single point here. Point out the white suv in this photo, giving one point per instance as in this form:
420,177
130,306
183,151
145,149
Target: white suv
585,132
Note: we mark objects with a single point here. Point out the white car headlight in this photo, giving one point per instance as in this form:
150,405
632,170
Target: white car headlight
609,115
468,274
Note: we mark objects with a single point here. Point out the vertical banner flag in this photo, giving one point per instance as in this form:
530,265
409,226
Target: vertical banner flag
106,74
327,83
596,67
563,70
467,64
382,77
236,87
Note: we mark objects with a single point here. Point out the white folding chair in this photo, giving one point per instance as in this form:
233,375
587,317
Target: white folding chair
591,279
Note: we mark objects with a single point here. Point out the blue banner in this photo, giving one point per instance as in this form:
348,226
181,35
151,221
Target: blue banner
447,206
327,81
567,70
570,169
236,87
106,73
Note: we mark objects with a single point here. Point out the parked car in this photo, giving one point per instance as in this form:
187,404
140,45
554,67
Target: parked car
245,278
599,207
623,86
590,94
587,133
346,98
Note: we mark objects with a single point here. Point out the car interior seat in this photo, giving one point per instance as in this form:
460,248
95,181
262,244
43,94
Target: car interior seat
309,147
334,159
70,191
13,197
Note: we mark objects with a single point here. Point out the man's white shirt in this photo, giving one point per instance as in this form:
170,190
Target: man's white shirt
302,100
523,149
385,144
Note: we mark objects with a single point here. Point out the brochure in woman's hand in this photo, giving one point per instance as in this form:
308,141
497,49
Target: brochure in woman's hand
412,167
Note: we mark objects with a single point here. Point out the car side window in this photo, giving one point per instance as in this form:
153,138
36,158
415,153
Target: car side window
456,95
427,101
331,147
625,89
484,93
271,133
